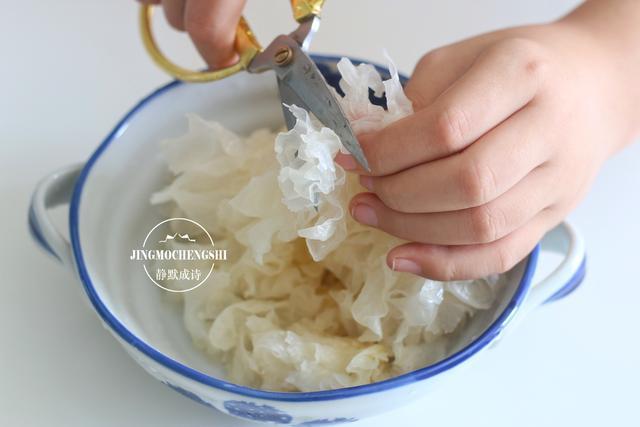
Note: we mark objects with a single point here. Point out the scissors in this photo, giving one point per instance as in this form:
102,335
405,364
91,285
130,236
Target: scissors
300,82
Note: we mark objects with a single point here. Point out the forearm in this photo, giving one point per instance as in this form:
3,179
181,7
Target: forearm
610,19
614,26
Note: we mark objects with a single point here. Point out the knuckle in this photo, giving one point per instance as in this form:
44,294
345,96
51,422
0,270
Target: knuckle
536,67
452,126
477,183
530,56
431,59
202,30
485,224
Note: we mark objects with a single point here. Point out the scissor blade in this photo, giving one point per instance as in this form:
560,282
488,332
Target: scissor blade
303,78
306,85
289,97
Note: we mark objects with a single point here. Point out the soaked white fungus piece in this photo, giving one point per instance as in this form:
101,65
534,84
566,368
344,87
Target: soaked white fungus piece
306,301
355,84
308,180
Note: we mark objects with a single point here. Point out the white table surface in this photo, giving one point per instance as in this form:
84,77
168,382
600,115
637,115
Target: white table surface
70,69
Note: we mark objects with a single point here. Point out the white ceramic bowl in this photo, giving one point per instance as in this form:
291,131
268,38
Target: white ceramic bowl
110,214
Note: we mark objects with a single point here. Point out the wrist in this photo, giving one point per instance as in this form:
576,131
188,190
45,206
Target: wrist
610,30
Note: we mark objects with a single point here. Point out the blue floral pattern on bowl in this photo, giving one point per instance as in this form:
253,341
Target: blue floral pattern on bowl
189,394
255,412
325,421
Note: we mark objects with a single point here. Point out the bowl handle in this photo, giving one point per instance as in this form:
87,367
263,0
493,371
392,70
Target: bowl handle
52,191
568,275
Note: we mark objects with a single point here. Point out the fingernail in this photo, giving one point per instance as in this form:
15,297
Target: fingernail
347,162
406,265
365,214
366,182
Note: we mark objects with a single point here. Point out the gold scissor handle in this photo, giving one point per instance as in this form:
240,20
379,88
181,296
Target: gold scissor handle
303,9
247,46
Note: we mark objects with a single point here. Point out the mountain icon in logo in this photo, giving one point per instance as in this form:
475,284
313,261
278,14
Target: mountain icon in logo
183,237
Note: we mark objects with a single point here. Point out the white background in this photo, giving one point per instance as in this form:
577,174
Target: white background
70,69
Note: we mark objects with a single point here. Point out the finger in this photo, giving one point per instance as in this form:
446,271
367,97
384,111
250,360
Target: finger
482,224
432,75
149,1
474,177
211,24
439,69
472,261
501,81
174,12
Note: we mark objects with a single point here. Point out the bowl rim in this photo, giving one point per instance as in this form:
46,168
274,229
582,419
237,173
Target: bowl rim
121,330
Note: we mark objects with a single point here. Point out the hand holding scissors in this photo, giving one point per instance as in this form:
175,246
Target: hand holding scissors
299,80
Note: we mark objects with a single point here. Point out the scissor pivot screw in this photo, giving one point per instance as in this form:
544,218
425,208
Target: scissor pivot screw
283,55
